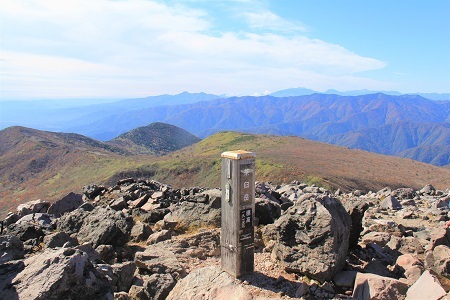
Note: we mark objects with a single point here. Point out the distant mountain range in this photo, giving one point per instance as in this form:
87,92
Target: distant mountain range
303,92
404,125
407,125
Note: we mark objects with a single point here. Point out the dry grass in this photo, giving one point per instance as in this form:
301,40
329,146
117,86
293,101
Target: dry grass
279,159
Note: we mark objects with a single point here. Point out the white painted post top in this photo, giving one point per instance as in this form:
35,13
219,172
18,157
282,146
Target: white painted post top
238,154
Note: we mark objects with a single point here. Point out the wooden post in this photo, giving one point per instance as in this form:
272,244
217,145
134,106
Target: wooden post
238,212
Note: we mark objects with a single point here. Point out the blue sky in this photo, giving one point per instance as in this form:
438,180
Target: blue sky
119,49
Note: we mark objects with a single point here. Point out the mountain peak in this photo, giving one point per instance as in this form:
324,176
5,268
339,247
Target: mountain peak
155,138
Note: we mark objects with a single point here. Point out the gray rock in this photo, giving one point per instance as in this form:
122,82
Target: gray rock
138,292
208,283
92,191
404,193
25,231
124,273
203,244
439,260
371,286
36,206
390,202
197,214
11,218
140,201
58,239
157,260
72,222
159,236
68,203
11,248
118,204
345,278
312,237
406,245
356,210
140,232
426,287
439,236
58,274
377,238
428,190
41,219
267,211
158,286
106,253
105,226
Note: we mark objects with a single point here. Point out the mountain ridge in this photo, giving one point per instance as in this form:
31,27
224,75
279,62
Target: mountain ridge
327,118
34,168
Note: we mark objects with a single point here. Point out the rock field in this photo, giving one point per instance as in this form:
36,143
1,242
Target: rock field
141,239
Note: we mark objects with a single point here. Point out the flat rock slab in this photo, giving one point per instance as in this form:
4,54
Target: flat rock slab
157,260
370,286
209,283
426,287
57,274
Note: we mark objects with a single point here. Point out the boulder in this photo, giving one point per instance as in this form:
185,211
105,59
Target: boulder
377,238
11,248
158,286
72,222
208,283
312,237
118,204
202,210
345,279
140,201
439,236
439,260
356,210
67,204
25,231
140,232
91,191
36,206
157,260
11,218
371,286
404,193
124,273
267,211
106,253
426,287
159,236
59,239
105,226
57,274
428,190
390,202
41,219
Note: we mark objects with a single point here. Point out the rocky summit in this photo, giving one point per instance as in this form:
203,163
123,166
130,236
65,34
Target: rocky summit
142,239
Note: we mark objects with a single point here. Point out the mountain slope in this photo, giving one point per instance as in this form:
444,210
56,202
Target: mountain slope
156,138
44,165
35,163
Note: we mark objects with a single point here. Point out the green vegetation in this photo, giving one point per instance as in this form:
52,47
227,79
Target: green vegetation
68,168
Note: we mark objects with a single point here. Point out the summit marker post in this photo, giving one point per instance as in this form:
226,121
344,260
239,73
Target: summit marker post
238,212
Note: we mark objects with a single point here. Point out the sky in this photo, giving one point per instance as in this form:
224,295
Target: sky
53,49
